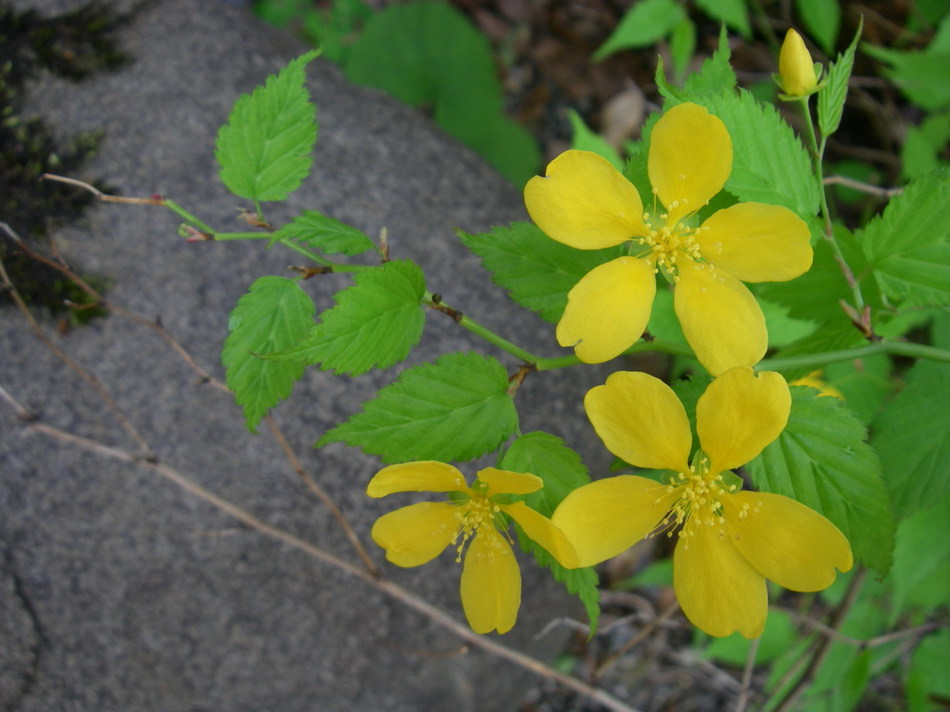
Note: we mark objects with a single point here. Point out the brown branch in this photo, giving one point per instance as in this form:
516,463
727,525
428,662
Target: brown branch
104,197
862,186
87,375
633,642
746,690
387,587
320,494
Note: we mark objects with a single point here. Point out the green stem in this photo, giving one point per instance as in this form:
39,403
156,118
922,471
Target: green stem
895,348
184,214
818,153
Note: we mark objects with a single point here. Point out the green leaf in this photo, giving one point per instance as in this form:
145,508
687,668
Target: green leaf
537,271
912,436
583,139
822,460
832,96
562,470
548,457
908,246
271,316
326,234
374,324
924,146
428,54
715,76
923,76
455,409
645,23
682,47
508,146
733,12
921,573
822,19
865,384
928,680
779,634
815,295
264,149
769,163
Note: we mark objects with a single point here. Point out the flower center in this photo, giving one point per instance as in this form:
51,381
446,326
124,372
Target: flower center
479,511
669,242
699,505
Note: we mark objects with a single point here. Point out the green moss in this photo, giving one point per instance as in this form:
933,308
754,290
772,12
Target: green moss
73,45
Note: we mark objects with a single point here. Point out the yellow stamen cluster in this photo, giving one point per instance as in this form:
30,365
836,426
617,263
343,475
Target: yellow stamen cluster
699,502
479,511
667,242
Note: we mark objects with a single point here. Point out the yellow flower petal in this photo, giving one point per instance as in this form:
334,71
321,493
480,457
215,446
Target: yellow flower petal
786,541
721,320
505,482
585,202
540,529
606,517
418,533
491,583
739,414
795,66
716,587
756,242
608,310
424,476
690,159
641,421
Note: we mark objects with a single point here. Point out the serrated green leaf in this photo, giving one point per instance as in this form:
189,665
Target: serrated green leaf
908,246
548,457
779,634
715,76
326,234
912,436
537,271
264,149
645,23
272,315
455,409
769,163
928,680
374,324
832,96
732,12
822,19
562,470
864,383
815,295
822,460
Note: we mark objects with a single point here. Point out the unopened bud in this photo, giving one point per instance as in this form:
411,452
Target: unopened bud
796,69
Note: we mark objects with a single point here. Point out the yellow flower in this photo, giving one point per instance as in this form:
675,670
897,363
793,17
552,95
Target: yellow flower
416,534
585,203
796,69
815,380
729,541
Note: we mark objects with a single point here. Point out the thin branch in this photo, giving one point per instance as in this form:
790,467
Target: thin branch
862,186
637,639
746,690
205,376
87,375
388,587
320,494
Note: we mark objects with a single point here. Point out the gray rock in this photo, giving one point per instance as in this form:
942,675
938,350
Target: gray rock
120,591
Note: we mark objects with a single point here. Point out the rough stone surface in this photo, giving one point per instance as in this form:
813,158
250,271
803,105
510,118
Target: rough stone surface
120,591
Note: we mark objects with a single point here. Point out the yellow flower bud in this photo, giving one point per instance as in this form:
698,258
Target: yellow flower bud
796,69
